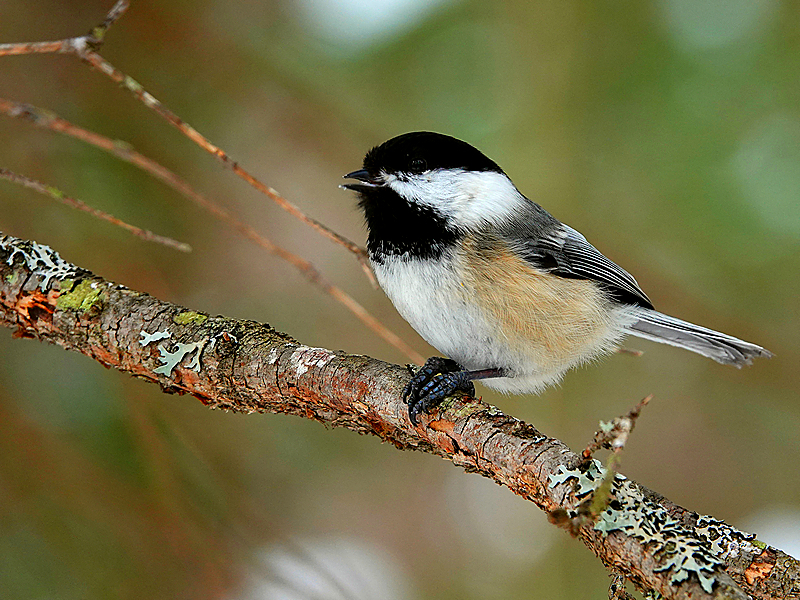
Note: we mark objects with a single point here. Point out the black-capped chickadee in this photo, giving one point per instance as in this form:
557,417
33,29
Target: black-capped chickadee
493,281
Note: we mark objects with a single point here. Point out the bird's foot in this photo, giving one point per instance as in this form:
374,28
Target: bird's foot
434,382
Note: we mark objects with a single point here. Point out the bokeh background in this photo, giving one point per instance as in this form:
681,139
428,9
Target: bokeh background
668,132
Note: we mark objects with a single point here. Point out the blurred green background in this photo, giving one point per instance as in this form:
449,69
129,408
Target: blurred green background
667,132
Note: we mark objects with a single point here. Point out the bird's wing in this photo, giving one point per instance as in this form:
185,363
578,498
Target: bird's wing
562,251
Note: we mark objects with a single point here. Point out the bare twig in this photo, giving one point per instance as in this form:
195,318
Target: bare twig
135,88
630,351
84,47
60,196
94,39
35,47
616,589
124,152
115,13
614,435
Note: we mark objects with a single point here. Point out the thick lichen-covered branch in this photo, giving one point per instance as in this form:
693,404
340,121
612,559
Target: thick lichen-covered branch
249,366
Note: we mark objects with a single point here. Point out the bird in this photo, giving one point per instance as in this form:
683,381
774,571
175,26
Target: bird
510,295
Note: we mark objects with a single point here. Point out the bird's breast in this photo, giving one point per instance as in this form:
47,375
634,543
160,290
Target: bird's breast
430,295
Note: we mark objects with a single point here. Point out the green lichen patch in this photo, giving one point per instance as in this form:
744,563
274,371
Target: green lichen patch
462,412
588,480
170,359
54,192
84,297
726,541
149,338
189,316
681,555
42,261
131,84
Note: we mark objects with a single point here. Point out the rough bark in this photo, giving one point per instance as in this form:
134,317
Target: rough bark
251,367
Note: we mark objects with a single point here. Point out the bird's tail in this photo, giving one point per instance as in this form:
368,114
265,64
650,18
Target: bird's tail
725,349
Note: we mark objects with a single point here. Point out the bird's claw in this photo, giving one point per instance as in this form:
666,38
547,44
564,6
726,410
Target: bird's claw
434,382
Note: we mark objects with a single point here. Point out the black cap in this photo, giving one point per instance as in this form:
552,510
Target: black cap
422,151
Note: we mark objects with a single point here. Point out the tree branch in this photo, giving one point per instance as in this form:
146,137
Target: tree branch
59,196
251,367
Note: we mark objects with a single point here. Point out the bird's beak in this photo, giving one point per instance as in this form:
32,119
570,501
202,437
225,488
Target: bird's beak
362,175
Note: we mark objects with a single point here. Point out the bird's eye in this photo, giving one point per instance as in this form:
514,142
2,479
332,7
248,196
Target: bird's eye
418,165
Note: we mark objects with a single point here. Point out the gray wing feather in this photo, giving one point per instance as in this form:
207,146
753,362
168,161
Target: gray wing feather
563,251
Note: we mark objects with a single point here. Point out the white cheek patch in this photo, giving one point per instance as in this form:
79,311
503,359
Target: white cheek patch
467,199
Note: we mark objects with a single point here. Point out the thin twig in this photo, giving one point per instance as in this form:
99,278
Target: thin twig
57,194
616,589
84,46
115,13
614,435
94,39
630,351
34,48
123,151
135,88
